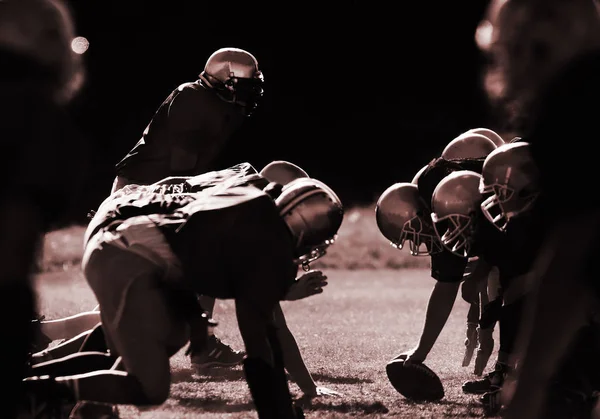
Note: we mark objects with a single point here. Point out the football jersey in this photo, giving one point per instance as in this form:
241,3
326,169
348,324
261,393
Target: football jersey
228,234
184,137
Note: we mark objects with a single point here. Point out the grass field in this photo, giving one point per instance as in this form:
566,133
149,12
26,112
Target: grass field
372,309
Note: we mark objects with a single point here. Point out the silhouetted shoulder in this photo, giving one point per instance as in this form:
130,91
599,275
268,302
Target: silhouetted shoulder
563,135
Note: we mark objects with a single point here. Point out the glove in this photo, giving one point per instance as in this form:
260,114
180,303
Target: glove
484,350
470,343
306,285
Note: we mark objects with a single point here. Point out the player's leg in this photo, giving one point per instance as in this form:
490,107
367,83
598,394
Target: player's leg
71,326
141,326
264,369
90,340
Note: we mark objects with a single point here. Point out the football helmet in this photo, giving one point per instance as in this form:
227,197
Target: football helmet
512,178
486,132
415,180
314,214
468,146
454,204
402,215
235,76
282,172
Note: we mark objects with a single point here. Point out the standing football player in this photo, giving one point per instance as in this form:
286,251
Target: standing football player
185,136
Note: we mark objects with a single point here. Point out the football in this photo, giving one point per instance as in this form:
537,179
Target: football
415,381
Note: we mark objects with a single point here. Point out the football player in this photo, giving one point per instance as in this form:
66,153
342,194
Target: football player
185,136
45,161
278,172
402,214
560,87
145,249
467,209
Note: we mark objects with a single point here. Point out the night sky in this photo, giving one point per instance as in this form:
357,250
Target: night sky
357,93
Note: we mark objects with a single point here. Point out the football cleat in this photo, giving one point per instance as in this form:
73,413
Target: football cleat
217,354
490,382
492,402
88,410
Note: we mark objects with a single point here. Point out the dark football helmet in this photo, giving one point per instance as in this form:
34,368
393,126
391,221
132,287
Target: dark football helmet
468,146
511,178
234,74
455,203
313,213
402,215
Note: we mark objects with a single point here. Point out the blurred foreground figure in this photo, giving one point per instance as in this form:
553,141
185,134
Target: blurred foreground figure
39,74
546,61
187,133
149,253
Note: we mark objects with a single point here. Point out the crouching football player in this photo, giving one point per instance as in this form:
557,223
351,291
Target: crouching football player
145,249
403,215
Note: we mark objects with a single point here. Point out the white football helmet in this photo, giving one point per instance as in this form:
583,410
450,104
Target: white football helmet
415,180
314,214
512,178
455,202
486,132
402,215
234,74
468,146
282,172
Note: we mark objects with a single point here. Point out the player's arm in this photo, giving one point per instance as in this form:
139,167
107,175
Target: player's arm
187,118
263,366
448,270
439,306
293,361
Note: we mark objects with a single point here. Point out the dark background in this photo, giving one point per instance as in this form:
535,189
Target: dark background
359,93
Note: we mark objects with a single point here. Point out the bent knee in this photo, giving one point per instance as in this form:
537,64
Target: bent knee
157,393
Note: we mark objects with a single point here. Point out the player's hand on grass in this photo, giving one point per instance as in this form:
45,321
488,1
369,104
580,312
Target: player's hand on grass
320,391
324,391
308,284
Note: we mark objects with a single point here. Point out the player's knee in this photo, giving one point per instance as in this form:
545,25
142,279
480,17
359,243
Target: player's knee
158,392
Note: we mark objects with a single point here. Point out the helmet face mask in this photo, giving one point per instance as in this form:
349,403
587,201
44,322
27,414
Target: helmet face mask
419,234
510,177
455,232
402,216
313,214
247,93
455,206
233,73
